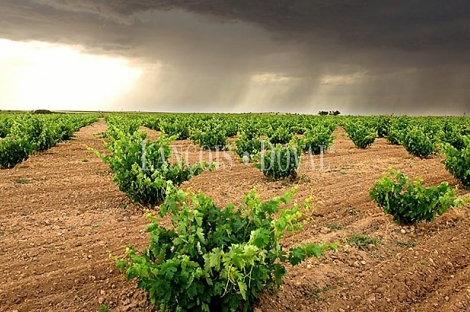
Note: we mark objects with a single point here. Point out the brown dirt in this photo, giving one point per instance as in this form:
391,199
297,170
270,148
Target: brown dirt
61,217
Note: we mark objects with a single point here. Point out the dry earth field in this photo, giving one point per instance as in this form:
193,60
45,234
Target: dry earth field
61,216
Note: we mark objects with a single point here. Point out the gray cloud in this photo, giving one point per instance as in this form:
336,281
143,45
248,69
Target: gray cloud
357,56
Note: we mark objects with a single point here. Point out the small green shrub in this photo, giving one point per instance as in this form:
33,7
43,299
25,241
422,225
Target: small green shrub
103,308
153,123
334,226
66,130
251,130
361,134
457,161
397,129
362,242
279,162
142,168
177,127
210,137
22,181
280,135
14,151
418,143
411,202
47,138
5,125
452,135
247,147
27,127
316,140
394,135
128,126
214,259
383,125
231,128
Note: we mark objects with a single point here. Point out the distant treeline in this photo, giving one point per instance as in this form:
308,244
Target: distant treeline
331,113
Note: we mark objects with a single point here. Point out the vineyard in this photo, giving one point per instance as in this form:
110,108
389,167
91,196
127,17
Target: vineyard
22,135
234,212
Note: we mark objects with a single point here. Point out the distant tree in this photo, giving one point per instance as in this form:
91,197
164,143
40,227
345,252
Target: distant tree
322,113
336,113
42,111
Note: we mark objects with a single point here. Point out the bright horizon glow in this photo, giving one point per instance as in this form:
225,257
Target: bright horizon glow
40,75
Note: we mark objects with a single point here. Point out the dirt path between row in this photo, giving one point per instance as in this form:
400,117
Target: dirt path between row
61,215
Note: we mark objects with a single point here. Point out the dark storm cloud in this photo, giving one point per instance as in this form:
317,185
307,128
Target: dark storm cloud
407,51
402,24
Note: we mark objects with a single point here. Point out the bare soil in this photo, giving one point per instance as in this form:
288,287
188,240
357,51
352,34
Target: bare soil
61,217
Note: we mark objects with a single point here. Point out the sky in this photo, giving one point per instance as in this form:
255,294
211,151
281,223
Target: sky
298,56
